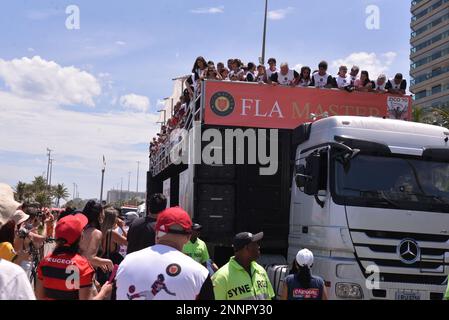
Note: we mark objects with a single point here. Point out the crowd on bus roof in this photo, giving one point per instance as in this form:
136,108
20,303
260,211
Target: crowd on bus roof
283,75
236,70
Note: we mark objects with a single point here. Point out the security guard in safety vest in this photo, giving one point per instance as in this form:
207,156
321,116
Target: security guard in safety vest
242,278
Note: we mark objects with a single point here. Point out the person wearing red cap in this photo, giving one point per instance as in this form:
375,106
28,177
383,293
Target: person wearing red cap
162,271
65,274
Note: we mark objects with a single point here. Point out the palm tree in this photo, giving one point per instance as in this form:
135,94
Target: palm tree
422,115
21,191
417,114
38,185
60,192
443,117
43,198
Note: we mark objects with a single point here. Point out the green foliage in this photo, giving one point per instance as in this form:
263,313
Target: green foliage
60,192
443,117
38,191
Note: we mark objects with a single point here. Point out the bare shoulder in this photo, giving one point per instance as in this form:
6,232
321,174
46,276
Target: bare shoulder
91,234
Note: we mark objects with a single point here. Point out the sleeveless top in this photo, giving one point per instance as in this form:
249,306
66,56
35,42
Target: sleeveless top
297,292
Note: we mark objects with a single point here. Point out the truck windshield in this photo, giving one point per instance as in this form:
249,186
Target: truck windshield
392,182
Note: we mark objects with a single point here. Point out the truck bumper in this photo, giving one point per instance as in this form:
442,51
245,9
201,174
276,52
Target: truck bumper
343,275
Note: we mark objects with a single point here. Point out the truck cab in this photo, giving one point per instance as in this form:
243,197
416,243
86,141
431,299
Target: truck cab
370,198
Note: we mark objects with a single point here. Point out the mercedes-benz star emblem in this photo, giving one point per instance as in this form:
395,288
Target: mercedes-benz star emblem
408,251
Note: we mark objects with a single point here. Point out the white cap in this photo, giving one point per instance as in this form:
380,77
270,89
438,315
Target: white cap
304,258
20,217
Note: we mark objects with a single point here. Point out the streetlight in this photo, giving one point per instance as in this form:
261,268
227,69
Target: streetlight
262,59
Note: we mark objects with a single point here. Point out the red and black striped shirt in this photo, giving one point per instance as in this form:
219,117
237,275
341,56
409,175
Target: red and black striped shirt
63,275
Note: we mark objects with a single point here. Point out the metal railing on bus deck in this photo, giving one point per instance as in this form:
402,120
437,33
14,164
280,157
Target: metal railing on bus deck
161,159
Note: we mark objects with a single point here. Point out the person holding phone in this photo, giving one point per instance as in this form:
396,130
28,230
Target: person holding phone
65,274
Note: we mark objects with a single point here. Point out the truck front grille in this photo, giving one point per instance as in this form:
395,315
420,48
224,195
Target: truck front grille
380,248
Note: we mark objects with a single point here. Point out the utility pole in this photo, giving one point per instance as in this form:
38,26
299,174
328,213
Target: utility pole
129,180
74,186
102,178
51,172
262,59
138,168
48,163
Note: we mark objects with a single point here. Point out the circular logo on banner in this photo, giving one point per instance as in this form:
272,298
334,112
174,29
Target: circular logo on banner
222,104
173,270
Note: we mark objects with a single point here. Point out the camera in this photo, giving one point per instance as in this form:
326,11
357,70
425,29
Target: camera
23,233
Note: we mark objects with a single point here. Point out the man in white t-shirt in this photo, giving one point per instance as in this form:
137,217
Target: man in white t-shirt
272,67
322,79
286,76
14,284
398,85
162,271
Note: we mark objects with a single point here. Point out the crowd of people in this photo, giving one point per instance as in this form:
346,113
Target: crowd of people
283,75
165,258
236,70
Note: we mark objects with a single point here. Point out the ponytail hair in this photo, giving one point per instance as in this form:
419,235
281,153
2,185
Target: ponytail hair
92,211
304,276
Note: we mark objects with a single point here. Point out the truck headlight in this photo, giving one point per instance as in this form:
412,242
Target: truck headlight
346,290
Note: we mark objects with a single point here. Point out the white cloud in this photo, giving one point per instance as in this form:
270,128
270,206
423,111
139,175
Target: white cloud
374,63
280,14
211,10
78,139
135,102
298,67
31,50
160,103
40,79
33,119
120,43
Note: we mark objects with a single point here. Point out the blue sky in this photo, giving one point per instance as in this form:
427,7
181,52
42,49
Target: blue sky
70,98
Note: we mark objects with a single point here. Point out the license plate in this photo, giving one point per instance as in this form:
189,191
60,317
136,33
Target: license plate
402,295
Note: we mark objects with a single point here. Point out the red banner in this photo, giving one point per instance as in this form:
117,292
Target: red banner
266,106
